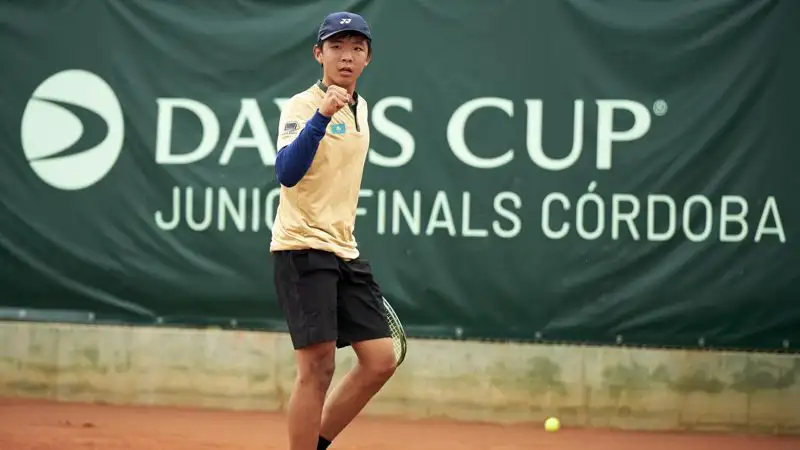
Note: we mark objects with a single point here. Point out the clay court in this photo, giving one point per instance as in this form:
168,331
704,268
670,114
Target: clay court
36,425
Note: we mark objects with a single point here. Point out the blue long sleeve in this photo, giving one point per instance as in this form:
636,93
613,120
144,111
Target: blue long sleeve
293,161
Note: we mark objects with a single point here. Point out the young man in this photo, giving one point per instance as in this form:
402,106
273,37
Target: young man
328,294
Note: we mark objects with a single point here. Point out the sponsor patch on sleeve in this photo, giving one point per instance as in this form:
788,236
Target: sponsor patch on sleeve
290,127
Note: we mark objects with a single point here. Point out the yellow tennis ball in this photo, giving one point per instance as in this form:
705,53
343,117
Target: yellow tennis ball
552,424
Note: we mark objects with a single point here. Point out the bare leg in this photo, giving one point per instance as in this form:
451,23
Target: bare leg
315,366
376,364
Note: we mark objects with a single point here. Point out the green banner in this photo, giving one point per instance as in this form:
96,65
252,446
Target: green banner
573,170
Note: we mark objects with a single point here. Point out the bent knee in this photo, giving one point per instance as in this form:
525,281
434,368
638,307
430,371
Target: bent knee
316,365
380,367
385,370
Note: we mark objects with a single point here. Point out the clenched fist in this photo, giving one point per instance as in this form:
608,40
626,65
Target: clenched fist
335,99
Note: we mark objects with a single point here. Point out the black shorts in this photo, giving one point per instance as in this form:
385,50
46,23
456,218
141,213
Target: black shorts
325,298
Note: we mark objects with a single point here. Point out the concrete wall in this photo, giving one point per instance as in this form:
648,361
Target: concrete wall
584,386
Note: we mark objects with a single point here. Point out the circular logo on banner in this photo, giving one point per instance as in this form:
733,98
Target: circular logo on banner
72,129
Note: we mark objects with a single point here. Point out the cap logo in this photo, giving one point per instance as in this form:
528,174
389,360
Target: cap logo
345,20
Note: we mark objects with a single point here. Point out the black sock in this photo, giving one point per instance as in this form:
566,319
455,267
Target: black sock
323,443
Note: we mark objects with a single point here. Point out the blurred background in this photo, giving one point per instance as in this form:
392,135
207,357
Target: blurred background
544,174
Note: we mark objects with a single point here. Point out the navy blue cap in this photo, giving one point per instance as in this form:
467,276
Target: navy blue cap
343,21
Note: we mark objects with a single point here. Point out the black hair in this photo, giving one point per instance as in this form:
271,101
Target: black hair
347,34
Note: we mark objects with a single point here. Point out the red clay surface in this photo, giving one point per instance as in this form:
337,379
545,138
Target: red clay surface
34,425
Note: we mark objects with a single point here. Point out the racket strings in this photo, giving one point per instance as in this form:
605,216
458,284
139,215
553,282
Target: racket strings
397,332
397,335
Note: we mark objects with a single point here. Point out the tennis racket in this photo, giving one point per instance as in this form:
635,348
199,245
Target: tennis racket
398,334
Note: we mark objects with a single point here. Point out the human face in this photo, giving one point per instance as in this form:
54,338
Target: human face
343,58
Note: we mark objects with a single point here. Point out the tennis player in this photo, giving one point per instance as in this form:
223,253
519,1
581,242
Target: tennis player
326,291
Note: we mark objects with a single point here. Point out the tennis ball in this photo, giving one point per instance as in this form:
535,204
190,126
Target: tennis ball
552,424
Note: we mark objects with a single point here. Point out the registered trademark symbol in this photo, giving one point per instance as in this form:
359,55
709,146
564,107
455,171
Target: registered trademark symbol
660,107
